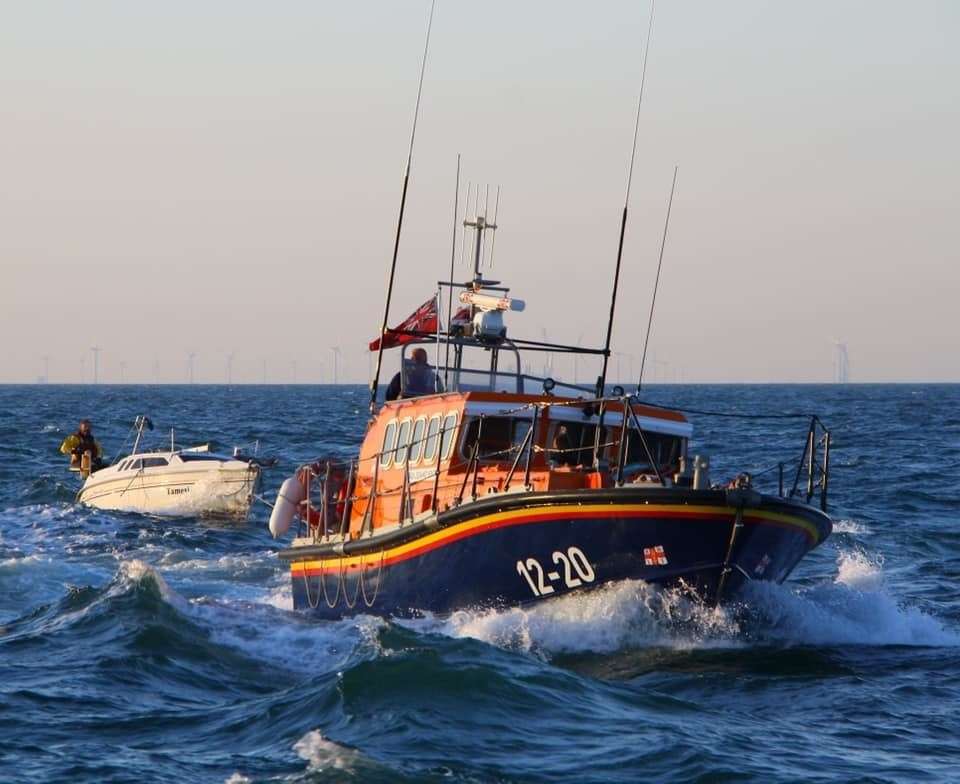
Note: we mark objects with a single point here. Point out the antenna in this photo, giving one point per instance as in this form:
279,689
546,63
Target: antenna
626,203
453,257
374,383
656,283
481,226
96,364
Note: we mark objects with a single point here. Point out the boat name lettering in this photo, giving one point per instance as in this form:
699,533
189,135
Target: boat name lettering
177,490
574,564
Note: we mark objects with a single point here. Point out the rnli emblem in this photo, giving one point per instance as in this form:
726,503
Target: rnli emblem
654,556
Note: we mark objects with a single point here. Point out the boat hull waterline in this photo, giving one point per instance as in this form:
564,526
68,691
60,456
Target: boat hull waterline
218,493
515,549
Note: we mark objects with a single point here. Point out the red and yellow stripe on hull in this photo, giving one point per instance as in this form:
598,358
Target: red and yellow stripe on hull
517,517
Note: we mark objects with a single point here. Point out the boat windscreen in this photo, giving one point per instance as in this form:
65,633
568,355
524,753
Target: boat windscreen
192,457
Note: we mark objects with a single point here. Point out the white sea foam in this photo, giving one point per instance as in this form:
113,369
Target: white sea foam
321,753
614,617
238,778
851,527
857,608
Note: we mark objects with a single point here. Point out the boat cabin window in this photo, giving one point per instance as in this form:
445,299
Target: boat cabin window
571,443
153,462
416,441
192,457
665,449
135,465
389,440
433,435
500,437
446,440
403,442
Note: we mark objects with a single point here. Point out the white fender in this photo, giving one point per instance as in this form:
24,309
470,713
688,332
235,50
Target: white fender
288,503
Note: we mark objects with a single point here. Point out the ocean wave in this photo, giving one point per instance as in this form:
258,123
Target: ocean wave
611,618
846,526
856,608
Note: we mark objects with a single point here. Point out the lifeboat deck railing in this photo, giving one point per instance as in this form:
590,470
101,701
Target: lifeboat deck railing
337,480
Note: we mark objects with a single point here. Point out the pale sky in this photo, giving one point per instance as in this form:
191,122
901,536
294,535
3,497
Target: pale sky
225,177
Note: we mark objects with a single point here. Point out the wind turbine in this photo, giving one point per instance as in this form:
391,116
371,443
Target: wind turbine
190,357
156,371
293,367
96,364
46,368
336,363
123,371
230,368
841,362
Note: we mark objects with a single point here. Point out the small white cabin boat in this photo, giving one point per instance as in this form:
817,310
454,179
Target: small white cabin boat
174,482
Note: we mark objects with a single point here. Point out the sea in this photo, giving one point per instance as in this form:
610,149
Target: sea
138,649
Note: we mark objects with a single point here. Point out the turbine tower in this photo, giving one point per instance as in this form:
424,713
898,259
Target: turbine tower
96,364
123,371
336,363
190,357
230,369
46,368
841,362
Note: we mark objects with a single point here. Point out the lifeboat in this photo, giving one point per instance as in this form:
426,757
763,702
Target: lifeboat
496,488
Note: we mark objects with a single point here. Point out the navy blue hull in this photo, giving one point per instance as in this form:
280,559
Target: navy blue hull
519,550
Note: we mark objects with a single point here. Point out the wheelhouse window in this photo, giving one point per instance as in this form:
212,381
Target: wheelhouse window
154,462
433,437
403,442
665,450
135,465
572,443
389,440
500,437
416,442
195,457
449,431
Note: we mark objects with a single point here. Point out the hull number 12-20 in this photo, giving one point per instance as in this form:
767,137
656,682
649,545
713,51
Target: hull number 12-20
576,570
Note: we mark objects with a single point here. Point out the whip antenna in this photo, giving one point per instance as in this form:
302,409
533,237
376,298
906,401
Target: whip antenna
656,283
623,219
453,257
403,201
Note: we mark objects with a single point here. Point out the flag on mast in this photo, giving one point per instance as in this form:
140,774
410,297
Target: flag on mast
421,323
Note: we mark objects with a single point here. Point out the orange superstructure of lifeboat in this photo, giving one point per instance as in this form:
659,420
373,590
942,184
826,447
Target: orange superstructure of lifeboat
486,486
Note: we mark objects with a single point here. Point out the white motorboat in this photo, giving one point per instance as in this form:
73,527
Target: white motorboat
174,482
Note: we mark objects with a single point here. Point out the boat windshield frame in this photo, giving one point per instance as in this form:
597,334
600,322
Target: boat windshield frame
455,377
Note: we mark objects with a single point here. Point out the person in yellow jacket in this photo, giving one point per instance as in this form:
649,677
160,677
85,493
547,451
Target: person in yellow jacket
83,441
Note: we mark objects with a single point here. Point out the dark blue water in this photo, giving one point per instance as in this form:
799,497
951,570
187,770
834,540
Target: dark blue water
135,649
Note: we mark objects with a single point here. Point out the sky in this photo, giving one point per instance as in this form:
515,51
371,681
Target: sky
224,178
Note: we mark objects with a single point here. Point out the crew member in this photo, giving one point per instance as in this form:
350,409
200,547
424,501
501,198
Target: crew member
420,378
83,441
